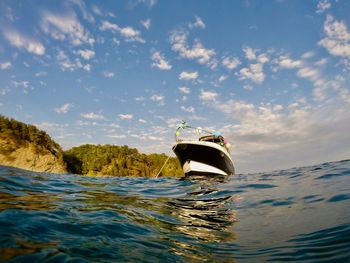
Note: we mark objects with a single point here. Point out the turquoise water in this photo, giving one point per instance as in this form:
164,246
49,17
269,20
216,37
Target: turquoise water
300,214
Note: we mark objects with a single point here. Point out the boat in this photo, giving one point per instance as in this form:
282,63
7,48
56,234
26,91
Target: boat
208,155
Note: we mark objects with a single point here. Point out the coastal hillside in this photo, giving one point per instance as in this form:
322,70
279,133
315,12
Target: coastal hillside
25,146
118,161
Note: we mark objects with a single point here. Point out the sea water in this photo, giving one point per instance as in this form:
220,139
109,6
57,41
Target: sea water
300,214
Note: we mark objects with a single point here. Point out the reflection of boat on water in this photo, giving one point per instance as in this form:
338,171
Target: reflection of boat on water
205,213
210,155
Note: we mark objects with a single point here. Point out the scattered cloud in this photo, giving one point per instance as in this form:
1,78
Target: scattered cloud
184,90
67,64
188,75
208,96
146,23
254,73
267,132
131,34
106,25
86,54
126,116
230,62
65,27
40,74
21,41
337,40
21,84
142,121
204,56
198,23
158,98
116,136
108,74
64,108
5,65
222,78
149,3
128,33
322,6
189,109
249,53
160,62
92,116
96,10
286,62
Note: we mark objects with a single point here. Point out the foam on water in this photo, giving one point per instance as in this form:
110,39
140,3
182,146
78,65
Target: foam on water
300,214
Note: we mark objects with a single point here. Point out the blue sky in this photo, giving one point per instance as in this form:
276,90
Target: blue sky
272,76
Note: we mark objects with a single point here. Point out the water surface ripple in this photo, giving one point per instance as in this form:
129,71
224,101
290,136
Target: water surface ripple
300,214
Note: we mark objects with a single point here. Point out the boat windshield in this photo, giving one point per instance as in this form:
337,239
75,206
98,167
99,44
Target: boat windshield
212,138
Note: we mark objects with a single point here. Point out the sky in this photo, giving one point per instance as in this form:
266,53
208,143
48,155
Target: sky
271,76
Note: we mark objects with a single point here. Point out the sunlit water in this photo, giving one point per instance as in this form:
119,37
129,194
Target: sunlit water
300,214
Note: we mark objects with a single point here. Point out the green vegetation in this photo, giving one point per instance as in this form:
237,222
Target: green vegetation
85,159
23,134
118,161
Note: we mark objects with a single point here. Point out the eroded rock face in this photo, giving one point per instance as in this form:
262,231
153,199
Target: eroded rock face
29,156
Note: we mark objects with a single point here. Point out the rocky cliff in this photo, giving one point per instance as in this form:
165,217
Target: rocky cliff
25,146
29,156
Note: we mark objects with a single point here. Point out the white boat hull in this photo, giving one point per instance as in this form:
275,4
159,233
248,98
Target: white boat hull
203,158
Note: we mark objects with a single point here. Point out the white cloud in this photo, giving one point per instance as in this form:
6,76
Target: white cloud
189,109
21,84
158,98
105,25
116,41
5,65
92,116
142,121
222,78
96,10
64,108
108,74
286,62
231,62
188,75
197,23
309,73
67,64
128,33
126,116
254,73
149,3
23,42
249,53
204,56
263,58
86,14
116,136
184,90
337,40
208,96
131,34
65,27
40,74
322,6
160,62
308,55
86,54
146,23
266,137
